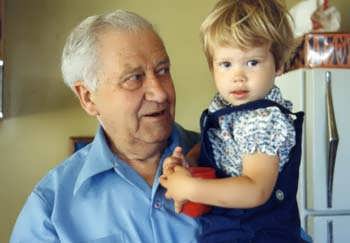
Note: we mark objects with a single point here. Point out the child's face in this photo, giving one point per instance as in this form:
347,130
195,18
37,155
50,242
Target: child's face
242,76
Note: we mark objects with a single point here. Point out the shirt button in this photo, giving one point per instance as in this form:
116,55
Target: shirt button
279,195
157,204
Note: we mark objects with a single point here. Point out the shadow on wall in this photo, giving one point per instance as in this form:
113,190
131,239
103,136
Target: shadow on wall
33,48
30,95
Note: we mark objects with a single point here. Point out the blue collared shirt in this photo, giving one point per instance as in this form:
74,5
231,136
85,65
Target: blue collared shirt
93,196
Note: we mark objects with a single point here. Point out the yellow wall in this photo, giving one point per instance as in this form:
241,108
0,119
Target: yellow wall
42,113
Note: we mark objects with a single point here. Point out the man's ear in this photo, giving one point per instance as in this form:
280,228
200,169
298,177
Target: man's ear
86,98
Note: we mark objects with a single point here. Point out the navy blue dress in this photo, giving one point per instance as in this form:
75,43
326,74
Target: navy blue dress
276,221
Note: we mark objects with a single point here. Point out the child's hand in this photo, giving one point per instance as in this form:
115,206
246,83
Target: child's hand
178,206
177,158
177,184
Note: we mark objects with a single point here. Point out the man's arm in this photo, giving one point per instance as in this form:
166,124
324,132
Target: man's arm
34,223
189,138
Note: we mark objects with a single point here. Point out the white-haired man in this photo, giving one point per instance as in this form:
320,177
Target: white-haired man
109,191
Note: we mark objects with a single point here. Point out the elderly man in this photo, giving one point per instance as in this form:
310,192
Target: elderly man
109,191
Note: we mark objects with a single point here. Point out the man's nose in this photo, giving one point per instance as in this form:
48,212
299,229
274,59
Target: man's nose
155,89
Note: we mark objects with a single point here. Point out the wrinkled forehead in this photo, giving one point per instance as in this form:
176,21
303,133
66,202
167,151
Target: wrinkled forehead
126,44
121,52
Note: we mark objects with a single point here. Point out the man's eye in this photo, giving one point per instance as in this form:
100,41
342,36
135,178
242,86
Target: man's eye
252,63
163,71
133,81
225,64
135,77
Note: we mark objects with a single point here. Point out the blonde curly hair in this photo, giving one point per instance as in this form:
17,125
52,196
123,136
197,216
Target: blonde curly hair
248,23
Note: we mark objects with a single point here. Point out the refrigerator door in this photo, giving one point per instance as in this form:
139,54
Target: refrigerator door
325,169
327,139
329,229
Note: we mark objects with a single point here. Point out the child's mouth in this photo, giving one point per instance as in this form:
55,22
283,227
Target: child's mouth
240,94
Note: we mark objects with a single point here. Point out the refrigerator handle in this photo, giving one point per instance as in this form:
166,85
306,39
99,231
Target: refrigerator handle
330,231
333,139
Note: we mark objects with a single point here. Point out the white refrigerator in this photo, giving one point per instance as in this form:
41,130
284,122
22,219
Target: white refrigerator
324,180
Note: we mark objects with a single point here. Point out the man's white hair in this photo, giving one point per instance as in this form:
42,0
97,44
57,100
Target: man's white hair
79,57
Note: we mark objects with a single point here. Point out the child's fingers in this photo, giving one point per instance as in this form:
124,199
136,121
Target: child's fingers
167,171
167,196
171,162
163,181
178,206
178,168
178,152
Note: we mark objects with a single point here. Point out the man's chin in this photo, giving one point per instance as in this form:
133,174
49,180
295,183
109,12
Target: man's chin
158,134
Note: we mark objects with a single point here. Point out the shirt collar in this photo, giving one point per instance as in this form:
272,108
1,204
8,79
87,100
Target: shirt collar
100,158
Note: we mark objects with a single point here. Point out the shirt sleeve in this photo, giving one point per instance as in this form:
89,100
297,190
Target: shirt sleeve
33,223
267,131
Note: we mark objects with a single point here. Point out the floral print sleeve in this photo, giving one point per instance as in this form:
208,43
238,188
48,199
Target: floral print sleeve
267,131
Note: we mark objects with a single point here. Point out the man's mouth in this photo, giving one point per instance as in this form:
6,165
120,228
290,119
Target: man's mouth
155,114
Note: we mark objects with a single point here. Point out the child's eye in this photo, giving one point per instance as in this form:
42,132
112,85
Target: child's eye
225,64
252,63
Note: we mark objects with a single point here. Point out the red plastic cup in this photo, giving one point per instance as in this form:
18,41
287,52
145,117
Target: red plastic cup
193,209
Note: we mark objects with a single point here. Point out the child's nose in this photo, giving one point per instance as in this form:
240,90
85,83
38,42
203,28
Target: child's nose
239,76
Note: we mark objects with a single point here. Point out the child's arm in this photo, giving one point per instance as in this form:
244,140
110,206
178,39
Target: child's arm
252,189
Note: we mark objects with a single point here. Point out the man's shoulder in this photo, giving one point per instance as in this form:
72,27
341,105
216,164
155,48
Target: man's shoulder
64,175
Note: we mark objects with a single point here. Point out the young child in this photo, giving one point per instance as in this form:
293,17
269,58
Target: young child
249,134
